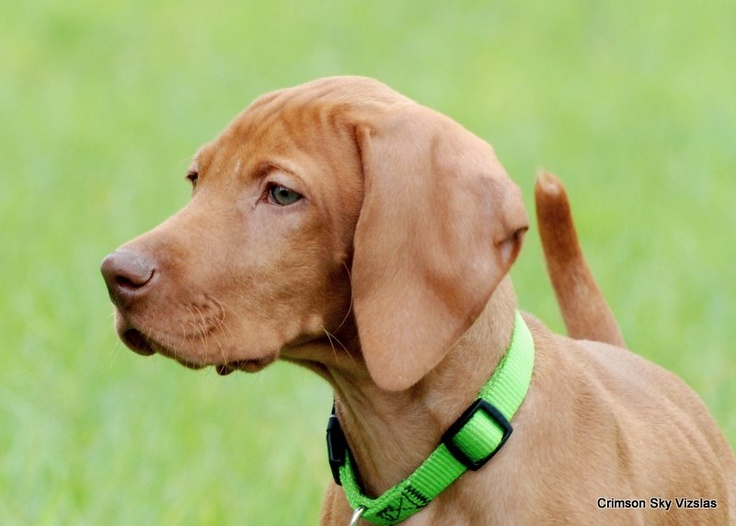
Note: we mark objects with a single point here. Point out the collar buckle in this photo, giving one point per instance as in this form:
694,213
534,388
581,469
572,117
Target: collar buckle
337,446
469,443
461,440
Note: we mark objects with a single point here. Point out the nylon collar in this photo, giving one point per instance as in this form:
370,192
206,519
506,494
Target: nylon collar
469,443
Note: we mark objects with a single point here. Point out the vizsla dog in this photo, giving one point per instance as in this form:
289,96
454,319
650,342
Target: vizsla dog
343,227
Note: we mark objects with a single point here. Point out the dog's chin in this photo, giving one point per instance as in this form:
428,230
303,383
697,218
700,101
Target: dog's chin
141,344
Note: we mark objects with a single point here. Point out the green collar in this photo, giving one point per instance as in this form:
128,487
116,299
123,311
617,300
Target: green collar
469,443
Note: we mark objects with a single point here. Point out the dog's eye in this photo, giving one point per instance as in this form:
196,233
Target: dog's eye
282,196
192,177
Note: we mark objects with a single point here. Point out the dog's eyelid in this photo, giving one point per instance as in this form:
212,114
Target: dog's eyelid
272,174
282,195
268,167
192,177
263,170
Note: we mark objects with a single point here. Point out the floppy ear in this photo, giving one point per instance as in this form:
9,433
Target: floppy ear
440,225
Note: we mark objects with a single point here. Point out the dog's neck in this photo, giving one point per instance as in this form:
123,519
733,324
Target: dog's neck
389,433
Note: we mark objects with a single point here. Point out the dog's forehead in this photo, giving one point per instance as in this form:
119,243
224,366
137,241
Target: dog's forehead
303,118
342,91
320,103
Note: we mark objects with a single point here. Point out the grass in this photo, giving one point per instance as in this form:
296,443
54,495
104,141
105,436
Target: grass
102,105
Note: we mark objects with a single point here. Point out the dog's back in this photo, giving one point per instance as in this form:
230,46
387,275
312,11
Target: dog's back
587,316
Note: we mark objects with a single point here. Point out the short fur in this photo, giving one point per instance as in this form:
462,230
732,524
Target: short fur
389,278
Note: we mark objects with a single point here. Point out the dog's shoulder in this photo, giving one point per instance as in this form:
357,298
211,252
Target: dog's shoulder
613,408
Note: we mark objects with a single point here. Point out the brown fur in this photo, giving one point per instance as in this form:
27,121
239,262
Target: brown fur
584,309
389,279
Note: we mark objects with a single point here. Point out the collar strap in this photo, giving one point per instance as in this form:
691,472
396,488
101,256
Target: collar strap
469,443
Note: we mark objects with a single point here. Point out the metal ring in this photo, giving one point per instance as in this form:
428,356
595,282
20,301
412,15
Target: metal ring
356,515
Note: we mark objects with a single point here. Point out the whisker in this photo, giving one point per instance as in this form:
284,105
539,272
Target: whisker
221,319
332,338
220,325
192,322
350,306
202,331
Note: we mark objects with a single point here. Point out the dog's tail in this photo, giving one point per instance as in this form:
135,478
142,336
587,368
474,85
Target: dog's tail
584,309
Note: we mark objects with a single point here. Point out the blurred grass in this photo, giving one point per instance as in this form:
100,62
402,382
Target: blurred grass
102,104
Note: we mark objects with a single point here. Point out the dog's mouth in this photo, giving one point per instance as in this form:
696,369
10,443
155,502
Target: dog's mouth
139,343
248,366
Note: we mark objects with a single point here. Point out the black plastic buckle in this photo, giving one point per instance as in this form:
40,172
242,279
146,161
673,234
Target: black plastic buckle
449,437
337,446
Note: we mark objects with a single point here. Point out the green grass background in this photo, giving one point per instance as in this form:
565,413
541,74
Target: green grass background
103,103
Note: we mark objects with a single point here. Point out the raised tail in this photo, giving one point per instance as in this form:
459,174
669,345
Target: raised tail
584,309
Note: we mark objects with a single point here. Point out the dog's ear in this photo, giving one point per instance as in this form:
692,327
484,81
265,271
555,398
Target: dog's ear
440,225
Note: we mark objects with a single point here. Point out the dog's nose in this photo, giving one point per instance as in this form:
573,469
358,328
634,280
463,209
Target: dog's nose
127,275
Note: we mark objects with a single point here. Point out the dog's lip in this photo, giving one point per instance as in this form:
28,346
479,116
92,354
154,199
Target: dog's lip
141,344
224,369
137,342
252,365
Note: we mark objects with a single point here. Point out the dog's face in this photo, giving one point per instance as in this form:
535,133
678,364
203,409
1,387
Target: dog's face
335,194
259,258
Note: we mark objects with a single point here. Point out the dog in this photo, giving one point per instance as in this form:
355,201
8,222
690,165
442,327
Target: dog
343,227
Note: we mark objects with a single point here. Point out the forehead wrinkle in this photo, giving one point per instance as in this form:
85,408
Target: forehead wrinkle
312,138
310,124
337,95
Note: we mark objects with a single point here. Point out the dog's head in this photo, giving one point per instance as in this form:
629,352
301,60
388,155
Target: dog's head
334,199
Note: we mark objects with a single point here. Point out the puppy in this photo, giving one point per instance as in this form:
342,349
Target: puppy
341,226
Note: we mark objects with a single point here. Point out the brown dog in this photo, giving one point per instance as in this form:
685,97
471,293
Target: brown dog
343,227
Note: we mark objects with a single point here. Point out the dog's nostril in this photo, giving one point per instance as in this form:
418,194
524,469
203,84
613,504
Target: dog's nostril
133,281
